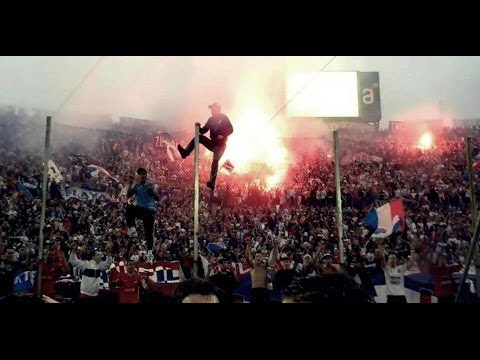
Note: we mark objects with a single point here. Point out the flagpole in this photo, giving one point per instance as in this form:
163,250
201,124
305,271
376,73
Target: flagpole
46,159
196,201
471,180
338,198
473,251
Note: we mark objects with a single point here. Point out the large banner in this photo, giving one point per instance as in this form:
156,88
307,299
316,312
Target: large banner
360,157
164,140
83,194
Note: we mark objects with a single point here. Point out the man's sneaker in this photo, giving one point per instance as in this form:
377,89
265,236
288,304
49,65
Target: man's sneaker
182,151
211,185
132,232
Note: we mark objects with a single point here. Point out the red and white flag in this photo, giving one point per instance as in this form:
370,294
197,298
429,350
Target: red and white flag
228,166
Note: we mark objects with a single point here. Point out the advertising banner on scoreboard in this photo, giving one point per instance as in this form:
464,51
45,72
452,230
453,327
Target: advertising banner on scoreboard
334,96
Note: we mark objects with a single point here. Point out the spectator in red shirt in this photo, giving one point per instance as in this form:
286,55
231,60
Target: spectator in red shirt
67,224
55,266
326,267
129,285
186,260
442,276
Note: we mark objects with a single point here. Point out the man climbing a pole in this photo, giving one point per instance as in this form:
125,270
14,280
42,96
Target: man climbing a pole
220,129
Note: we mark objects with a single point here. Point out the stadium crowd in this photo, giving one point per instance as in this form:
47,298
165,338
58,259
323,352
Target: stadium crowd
293,224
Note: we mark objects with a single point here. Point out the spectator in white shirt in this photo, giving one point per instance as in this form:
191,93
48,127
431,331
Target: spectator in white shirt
91,272
394,275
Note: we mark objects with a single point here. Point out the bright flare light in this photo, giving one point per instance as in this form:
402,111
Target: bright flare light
255,146
323,94
426,141
273,180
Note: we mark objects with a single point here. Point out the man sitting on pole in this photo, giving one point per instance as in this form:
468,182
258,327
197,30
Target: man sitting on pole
220,129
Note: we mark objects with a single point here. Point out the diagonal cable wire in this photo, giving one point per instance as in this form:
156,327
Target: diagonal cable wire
302,89
79,85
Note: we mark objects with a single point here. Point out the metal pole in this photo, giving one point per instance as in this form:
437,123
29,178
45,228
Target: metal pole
46,158
338,191
473,207
471,180
473,251
196,201
468,260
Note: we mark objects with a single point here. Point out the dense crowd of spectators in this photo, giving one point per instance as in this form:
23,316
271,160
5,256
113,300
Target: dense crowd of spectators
299,212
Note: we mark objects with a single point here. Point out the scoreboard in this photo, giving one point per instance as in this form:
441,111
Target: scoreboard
350,96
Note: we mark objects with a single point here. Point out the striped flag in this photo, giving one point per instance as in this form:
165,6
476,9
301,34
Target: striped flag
163,276
228,166
26,194
387,219
28,185
215,247
166,272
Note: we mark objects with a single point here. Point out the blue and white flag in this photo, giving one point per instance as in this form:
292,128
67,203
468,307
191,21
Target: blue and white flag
95,170
30,185
215,247
23,282
21,187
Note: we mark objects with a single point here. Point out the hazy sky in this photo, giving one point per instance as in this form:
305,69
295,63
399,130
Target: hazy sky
176,90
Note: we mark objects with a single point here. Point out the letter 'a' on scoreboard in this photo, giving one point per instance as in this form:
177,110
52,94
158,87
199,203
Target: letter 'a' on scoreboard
369,104
344,96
